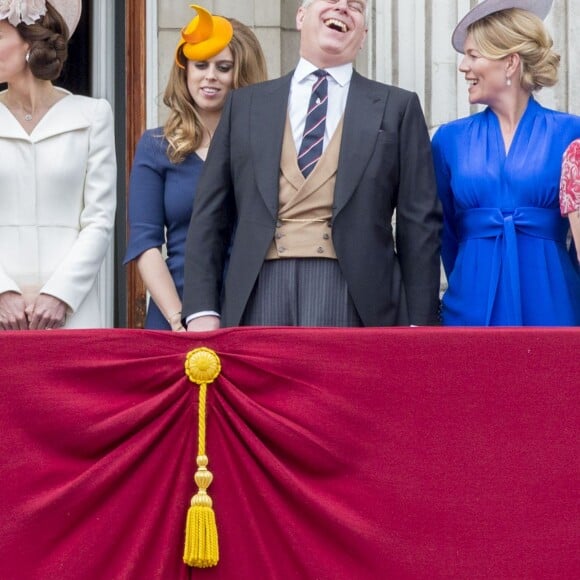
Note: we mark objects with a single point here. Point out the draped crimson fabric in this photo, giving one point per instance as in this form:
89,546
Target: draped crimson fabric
336,453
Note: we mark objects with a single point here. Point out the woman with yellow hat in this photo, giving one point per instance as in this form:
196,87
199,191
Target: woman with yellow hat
57,175
213,56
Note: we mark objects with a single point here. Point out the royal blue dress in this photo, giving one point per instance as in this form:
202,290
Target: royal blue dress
161,197
504,240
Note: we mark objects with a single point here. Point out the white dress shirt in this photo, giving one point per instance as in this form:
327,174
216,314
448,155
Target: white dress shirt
301,89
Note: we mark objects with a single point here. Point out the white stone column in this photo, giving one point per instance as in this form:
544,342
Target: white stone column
103,85
411,47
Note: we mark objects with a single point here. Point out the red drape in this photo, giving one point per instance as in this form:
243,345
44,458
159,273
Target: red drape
336,454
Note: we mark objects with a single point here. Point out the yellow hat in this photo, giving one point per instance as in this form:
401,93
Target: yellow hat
205,36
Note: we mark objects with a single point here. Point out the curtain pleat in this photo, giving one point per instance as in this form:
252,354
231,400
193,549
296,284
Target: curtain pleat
336,453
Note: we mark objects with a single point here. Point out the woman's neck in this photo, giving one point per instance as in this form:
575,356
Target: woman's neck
209,123
30,101
30,95
511,109
509,113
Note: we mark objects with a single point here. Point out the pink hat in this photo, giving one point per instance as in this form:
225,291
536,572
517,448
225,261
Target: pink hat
538,7
70,10
17,11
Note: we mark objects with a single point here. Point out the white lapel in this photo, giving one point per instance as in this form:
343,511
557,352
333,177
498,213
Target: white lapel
63,116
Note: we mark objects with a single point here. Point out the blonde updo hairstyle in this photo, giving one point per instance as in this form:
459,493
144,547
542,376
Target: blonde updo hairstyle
184,128
48,41
519,31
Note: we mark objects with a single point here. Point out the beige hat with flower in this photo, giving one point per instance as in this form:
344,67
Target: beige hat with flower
17,11
70,10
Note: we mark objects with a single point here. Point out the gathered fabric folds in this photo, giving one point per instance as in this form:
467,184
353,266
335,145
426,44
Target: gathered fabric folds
504,227
335,453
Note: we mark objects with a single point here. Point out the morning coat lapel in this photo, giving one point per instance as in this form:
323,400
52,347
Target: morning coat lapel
365,107
268,119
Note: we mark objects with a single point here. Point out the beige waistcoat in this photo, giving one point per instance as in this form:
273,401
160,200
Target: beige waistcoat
303,229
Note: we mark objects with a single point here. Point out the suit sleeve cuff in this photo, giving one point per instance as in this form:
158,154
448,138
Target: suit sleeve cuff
200,314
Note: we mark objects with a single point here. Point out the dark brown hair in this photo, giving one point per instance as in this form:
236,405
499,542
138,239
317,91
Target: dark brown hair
48,40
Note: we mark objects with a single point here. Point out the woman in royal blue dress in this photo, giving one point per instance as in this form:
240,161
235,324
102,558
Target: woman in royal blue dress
498,175
214,56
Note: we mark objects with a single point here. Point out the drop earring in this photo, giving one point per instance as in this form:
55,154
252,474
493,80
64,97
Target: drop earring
508,81
27,57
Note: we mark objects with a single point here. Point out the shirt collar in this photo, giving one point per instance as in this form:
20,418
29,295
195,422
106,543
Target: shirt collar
341,74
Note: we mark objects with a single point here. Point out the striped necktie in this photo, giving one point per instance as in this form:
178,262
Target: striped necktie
313,138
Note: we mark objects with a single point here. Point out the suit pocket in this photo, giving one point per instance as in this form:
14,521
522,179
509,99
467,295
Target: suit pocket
386,138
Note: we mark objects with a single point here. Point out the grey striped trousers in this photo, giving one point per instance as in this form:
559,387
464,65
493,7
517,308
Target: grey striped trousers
301,292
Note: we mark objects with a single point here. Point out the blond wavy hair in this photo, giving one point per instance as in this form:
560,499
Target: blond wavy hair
183,128
516,31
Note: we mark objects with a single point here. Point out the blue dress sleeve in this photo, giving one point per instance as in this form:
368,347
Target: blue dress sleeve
449,241
146,207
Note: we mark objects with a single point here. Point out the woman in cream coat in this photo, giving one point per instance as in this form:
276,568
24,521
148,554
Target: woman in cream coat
57,176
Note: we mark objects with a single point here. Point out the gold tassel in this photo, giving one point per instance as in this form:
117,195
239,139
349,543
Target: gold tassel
201,537
202,366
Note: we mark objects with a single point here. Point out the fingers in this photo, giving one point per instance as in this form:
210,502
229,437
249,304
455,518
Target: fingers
13,323
55,325
12,312
45,321
47,313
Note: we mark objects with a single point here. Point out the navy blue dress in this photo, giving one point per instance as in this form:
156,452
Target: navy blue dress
504,240
161,197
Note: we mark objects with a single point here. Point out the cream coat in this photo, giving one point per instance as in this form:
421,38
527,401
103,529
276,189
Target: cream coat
57,204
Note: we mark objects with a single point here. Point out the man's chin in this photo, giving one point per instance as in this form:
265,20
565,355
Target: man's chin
334,55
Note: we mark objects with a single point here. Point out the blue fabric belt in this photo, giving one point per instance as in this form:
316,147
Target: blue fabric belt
504,227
